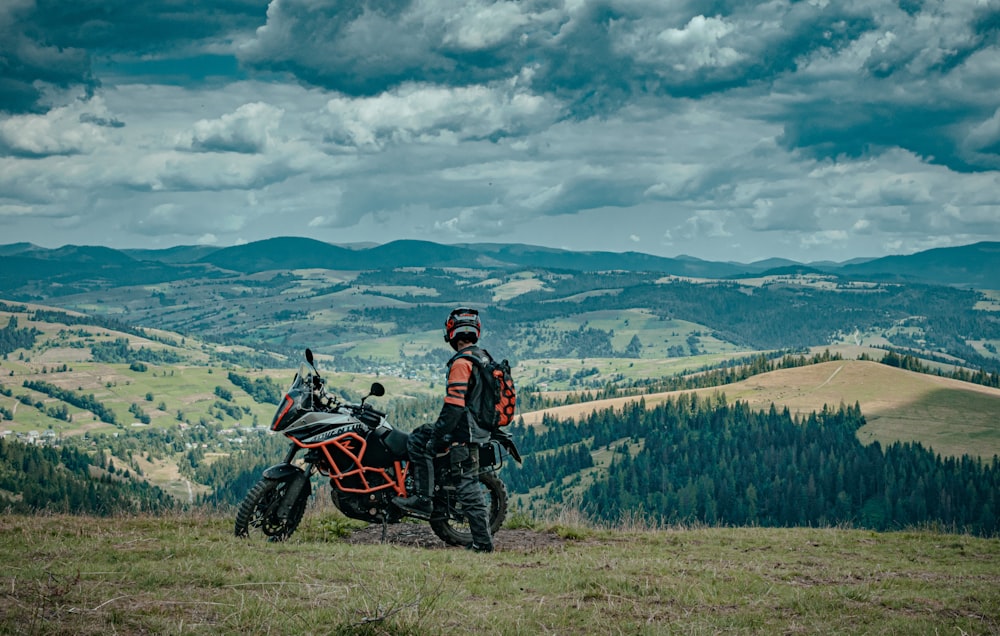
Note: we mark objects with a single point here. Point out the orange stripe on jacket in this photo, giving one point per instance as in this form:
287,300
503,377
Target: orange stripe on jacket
458,381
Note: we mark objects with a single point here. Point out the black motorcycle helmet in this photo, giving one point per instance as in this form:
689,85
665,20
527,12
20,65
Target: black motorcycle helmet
463,322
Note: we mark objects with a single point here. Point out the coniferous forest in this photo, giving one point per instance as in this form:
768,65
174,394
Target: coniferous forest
69,480
692,460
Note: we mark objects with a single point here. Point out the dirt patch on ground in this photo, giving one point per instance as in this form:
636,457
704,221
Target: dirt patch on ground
419,535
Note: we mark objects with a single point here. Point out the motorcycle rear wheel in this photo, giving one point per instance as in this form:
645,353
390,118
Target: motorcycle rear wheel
454,530
257,515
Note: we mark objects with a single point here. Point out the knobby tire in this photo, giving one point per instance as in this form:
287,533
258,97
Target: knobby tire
452,532
256,515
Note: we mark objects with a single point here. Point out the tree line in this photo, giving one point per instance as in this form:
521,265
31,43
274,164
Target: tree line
86,402
119,351
913,363
703,460
263,390
539,469
728,372
13,338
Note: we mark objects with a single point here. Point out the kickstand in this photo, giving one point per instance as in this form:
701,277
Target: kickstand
385,529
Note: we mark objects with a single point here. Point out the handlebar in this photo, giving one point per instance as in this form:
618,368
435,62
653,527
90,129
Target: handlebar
374,411
369,415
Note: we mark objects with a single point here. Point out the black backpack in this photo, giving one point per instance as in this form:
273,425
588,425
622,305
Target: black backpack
499,397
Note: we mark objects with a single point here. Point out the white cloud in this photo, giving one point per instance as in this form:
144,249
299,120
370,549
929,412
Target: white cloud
16,210
421,113
823,238
249,129
698,44
704,224
78,128
476,26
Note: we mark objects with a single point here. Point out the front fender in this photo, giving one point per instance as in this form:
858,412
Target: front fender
282,472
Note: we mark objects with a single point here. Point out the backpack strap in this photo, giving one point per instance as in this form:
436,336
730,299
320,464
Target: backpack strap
479,356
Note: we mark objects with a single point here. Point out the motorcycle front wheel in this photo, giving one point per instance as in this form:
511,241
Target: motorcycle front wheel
454,529
258,516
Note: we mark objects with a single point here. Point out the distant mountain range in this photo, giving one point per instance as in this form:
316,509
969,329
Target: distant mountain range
976,265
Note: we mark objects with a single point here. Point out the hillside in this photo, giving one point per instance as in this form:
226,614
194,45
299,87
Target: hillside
190,417
951,417
147,402
379,308
973,265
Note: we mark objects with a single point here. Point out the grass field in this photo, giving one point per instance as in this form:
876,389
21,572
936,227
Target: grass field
952,417
186,574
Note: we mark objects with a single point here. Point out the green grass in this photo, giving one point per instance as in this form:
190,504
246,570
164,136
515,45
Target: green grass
186,574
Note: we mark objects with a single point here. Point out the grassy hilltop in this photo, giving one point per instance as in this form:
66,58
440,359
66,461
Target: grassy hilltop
188,575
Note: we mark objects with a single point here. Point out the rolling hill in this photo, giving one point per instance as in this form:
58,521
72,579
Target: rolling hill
975,265
168,410
951,417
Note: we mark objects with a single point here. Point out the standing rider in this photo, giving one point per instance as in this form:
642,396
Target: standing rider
455,432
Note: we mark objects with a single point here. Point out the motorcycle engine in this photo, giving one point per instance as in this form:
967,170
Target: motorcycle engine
366,507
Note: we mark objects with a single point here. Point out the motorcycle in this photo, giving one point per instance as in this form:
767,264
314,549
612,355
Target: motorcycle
365,459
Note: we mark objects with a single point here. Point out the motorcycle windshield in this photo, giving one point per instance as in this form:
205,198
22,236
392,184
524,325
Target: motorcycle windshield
297,398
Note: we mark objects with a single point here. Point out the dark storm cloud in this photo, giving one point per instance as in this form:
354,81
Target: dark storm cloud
26,58
598,53
825,129
364,48
90,118
52,42
910,89
927,83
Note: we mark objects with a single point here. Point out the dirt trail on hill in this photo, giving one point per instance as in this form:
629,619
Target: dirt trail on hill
832,376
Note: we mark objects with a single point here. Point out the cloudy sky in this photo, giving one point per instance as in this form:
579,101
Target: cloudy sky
721,129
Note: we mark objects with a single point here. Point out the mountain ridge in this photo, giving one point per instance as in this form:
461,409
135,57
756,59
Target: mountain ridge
973,265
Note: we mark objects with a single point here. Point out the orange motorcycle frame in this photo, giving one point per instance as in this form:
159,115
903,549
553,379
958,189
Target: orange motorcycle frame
351,448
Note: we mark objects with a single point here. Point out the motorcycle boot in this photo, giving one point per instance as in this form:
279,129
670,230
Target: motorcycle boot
419,504
422,467
475,547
